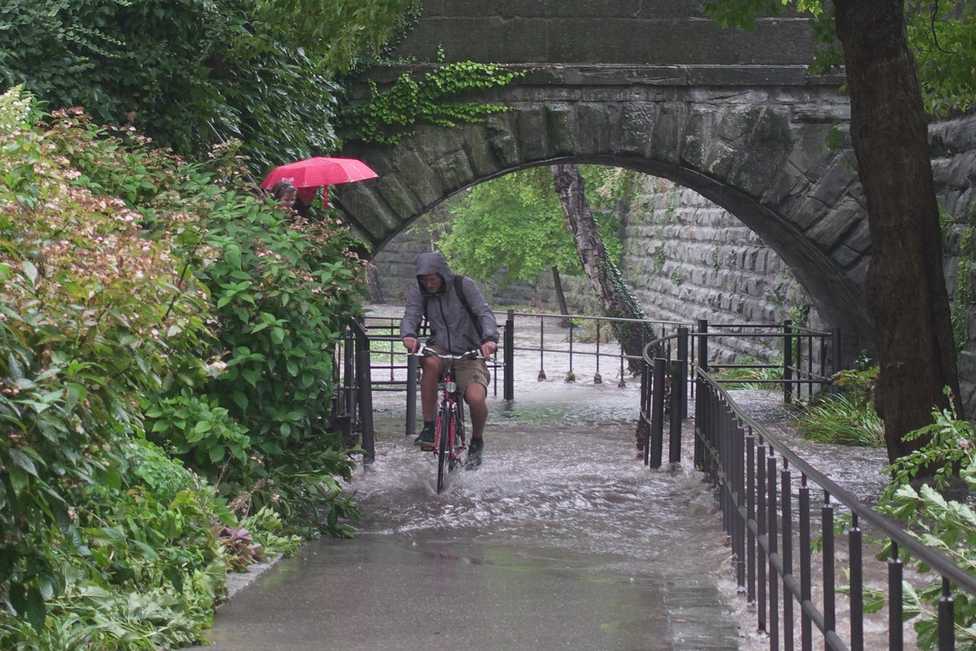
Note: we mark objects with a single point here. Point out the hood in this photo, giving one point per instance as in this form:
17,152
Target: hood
433,263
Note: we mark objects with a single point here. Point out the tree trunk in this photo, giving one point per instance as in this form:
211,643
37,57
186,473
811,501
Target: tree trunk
616,299
557,282
906,290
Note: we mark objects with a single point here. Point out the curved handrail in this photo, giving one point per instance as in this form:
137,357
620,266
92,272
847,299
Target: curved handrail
655,343
600,318
891,528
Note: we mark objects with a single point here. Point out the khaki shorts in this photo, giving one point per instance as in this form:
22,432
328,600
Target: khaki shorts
469,371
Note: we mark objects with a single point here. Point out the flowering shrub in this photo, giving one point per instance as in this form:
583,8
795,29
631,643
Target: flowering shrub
135,294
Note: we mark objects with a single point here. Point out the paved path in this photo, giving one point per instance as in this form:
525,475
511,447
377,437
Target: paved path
561,540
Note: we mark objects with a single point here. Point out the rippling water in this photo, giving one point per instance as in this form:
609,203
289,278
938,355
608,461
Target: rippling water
559,471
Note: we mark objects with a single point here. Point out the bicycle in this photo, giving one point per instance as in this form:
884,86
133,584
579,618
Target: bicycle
449,439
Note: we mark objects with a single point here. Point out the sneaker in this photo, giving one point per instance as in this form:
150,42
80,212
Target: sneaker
474,454
426,438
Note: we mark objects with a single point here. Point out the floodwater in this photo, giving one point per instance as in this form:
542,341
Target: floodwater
562,539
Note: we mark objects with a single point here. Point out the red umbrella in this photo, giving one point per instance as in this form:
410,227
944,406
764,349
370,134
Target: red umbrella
311,173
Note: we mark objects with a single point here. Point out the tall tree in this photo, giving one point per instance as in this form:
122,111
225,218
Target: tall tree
905,285
906,289
615,297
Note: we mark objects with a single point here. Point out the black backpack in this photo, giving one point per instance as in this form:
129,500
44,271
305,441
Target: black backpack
459,290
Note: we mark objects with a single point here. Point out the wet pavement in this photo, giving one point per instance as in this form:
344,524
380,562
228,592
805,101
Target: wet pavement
561,540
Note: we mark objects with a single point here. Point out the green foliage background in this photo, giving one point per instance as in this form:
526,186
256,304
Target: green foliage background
941,33
198,72
515,226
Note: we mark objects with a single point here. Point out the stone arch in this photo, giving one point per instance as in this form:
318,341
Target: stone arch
758,150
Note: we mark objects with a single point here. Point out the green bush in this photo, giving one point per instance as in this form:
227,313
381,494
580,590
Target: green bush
858,383
846,415
197,428
117,310
281,289
946,525
84,328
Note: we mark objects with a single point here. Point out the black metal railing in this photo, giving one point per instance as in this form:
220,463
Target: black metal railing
809,356
650,329
664,397
394,370
352,398
766,512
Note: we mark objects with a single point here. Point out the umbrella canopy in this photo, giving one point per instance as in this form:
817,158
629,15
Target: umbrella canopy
319,171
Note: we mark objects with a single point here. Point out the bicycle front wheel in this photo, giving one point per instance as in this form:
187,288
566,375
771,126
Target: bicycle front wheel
442,449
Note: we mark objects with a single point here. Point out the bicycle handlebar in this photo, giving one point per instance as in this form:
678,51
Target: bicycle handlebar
424,351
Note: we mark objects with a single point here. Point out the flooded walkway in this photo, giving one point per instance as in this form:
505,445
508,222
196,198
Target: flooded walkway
561,540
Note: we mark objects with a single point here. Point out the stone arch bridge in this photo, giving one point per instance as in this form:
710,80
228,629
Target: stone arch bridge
767,143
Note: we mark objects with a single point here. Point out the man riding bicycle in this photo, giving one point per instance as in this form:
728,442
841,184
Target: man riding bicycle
460,320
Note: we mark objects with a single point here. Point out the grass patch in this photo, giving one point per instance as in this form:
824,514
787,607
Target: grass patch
842,420
750,378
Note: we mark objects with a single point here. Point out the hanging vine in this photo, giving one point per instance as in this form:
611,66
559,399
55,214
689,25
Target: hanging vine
394,114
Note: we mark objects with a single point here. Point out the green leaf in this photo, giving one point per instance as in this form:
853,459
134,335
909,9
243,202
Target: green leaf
112,478
277,335
36,609
30,271
240,400
148,552
28,603
216,454
22,461
232,256
911,604
76,394
19,480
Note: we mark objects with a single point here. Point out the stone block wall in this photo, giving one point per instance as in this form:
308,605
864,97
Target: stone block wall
953,149
686,259
605,31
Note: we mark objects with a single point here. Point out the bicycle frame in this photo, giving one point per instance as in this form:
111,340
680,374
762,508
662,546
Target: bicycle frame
449,439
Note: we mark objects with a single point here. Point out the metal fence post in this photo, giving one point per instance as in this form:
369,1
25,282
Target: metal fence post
657,413
411,428
703,344
348,387
364,389
683,358
835,350
701,410
643,425
508,357
787,361
677,386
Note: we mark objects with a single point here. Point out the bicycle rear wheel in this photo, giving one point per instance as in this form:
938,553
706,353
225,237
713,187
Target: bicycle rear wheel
443,423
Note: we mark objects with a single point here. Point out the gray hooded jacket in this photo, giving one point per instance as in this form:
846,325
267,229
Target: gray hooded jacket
452,329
